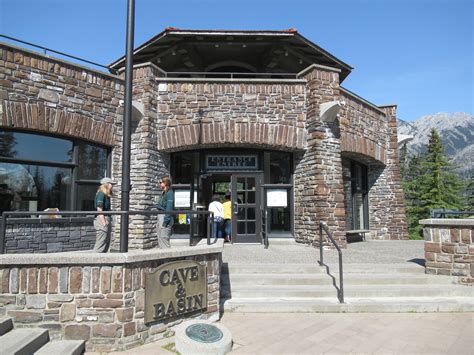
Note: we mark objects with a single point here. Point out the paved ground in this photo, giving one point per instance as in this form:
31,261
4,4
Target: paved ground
381,252
322,333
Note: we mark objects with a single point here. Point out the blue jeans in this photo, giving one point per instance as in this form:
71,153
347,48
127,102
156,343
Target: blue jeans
228,227
217,227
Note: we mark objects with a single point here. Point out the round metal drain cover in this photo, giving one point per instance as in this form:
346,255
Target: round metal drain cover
204,333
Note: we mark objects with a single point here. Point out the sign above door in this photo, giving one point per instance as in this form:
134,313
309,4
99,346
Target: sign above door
221,162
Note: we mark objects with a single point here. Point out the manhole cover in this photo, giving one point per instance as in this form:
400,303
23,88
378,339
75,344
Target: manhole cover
204,333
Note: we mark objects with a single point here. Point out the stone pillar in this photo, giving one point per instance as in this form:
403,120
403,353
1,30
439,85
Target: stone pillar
449,248
386,198
318,179
147,163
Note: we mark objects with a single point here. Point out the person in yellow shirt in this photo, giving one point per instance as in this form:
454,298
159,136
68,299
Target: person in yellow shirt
227,216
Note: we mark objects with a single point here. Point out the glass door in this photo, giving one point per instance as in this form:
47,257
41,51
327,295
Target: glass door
246,213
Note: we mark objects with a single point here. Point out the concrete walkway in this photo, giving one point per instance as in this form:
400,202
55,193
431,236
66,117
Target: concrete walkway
318,333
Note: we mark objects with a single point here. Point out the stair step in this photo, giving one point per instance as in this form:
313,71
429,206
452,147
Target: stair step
351,305
63,347
6,324
238,279
272,268
282,291
23,341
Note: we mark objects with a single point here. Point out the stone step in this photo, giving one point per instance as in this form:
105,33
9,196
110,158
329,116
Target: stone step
292,269
6,324
351,305
63,347
23,341
272,268
236,280
285,291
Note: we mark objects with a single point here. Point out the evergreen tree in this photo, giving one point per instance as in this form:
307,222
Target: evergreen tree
429,182
470,194
411,186
440,186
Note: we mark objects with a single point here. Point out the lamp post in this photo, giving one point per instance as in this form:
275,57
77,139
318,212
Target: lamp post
127,119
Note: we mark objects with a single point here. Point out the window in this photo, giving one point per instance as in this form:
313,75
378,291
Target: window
39,172
359,189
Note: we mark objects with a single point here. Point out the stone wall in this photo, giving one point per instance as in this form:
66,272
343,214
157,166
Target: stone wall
39,236
449,248
386,198
99,300
49,95
211,113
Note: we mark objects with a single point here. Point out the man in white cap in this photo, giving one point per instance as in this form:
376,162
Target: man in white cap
102,223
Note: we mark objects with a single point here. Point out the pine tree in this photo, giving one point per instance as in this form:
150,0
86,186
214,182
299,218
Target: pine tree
429,182
411,187
440,187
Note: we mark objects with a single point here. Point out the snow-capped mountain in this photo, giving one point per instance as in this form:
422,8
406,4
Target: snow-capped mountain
456,131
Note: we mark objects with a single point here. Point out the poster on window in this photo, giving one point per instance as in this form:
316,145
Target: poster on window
277,198
182,198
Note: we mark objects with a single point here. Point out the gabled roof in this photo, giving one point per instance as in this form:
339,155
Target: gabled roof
264,50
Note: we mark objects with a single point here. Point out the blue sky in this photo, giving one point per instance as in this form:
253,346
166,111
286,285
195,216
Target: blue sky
418,54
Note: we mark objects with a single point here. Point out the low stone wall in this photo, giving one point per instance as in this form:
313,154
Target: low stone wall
449,248
99,298
49,235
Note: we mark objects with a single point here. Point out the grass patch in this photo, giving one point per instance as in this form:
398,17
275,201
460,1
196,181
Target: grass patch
171,347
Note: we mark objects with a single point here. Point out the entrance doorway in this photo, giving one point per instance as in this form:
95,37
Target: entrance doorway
245,201
246,214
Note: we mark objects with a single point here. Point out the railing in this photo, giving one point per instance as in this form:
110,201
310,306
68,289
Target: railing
446,212
8,218
228,75
265,228
45,50
340,290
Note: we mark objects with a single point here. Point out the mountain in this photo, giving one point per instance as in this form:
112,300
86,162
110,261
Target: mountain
456,131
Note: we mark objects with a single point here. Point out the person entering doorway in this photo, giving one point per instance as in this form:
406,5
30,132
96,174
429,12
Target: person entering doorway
227,216
216,207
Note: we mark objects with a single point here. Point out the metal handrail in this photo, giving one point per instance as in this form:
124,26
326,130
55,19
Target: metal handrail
45,50
231,75
126,214
323,226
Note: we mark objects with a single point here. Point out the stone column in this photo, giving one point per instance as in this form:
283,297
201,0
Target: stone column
147,163
387,210
318,179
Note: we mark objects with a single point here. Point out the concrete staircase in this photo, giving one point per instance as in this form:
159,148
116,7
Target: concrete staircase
276,287
27,341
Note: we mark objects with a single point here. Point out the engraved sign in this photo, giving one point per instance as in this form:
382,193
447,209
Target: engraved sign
174,289
231,162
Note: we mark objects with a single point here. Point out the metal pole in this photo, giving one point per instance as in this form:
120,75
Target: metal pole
127,119
2,233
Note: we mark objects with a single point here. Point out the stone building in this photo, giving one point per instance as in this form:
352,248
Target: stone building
259,113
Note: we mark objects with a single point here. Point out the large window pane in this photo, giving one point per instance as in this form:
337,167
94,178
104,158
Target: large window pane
85,197
92,161
280,169
34,147
34,188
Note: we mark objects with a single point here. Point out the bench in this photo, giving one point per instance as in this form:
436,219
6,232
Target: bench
360,232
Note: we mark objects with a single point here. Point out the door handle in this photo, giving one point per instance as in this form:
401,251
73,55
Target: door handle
236,210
